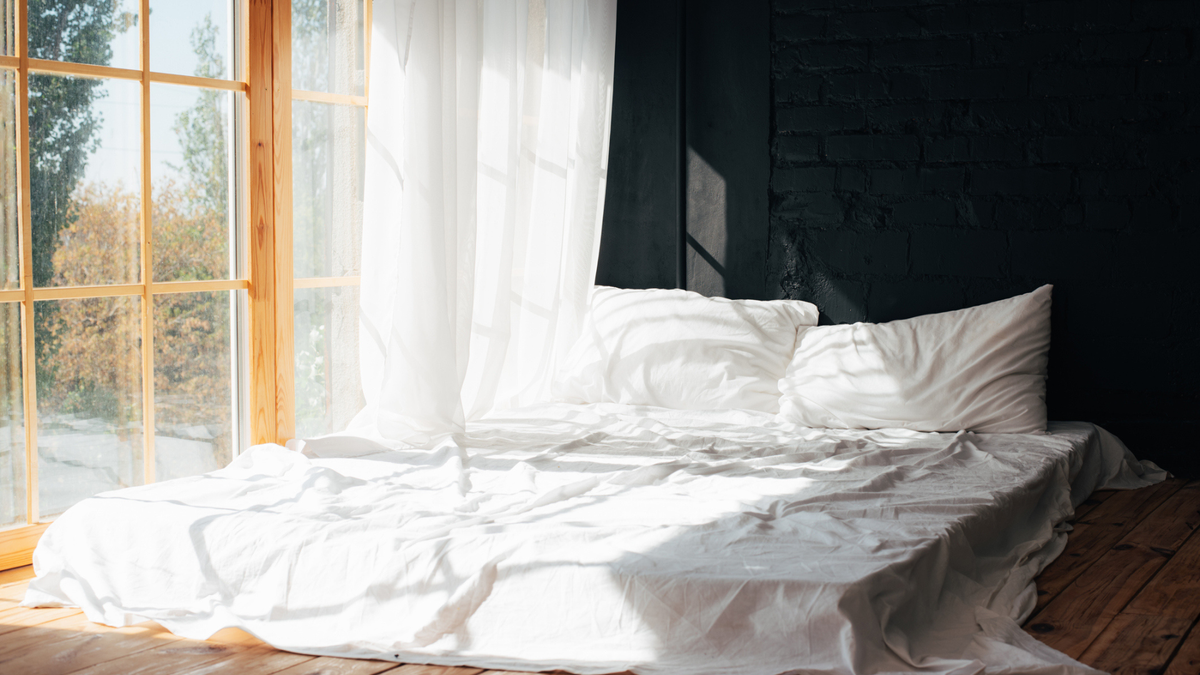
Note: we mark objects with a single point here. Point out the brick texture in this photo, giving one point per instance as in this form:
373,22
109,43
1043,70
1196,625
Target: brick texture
933,154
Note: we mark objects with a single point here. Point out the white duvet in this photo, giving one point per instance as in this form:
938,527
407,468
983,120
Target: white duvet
603,538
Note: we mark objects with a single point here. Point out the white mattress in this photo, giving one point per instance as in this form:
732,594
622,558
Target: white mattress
603,538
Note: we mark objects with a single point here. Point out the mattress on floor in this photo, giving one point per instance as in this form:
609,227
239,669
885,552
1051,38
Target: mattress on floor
602,538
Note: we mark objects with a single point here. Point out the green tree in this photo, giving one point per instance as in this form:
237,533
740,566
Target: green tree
201,128
63,128
62,122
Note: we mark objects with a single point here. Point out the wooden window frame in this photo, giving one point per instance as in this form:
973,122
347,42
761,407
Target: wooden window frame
267,273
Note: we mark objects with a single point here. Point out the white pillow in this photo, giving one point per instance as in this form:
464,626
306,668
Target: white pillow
981,368
678,349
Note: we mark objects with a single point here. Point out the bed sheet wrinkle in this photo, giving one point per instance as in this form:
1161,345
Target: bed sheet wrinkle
623,537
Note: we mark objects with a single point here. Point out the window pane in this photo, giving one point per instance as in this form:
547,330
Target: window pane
192,177
89,382
85,145
328,390
8,33
327,188
10,256
12,418
99,32
202,25
328,46
193,385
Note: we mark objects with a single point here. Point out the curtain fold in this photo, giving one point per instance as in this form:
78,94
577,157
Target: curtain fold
487,144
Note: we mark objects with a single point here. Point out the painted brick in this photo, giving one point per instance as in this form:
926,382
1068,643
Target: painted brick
996,18
914,181
922,53
959,253
1166,13
891,300
1106,214
1020,181
1155,79
799,27
1165,45
803,180
1025,48
1106,113
840,300
1078,14
871,147
890,24
978,84
857,86
944,20
796,149
836,55
860,252
928,211
812,210
798,89
1082,82
981,212
850,179
1010,115
1078,149
898,116
1068,255
951,149
1115,182
820,119
907,85
1150,214
785,6
956,19
995,149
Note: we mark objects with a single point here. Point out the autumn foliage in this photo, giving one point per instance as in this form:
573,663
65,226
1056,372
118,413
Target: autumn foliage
97,360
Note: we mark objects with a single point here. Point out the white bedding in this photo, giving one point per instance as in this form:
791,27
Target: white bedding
606,537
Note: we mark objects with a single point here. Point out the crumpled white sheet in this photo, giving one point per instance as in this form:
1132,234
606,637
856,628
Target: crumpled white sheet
606,537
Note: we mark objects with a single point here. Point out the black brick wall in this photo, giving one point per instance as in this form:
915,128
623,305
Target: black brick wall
931,155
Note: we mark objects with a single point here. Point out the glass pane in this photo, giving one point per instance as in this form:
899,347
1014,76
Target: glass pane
327,188
89,382
99,32
203,25
85,145
193,385
328,390
8,32
191,171
12,418
328,46
9,254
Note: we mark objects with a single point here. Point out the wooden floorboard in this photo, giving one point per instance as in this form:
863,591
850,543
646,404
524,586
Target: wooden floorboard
1098,529
1124,597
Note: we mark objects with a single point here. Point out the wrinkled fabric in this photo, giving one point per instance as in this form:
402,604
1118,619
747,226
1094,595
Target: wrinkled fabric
486,157
679,349
981,368
605,537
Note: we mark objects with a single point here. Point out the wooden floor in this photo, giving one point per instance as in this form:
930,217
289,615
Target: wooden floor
1124,597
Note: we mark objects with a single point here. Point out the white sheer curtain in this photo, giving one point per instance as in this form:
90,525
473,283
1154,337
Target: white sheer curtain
487,137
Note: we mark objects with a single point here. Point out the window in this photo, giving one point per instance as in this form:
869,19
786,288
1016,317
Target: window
180,212
328,135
